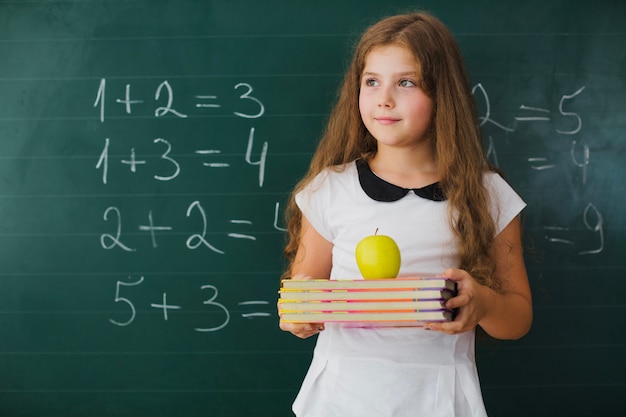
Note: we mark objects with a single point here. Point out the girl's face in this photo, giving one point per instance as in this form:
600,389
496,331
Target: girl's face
393,108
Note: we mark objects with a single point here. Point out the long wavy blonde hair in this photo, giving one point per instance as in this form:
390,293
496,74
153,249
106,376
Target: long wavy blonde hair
456,139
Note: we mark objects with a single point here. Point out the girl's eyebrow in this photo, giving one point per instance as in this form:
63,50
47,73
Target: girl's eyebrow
398,74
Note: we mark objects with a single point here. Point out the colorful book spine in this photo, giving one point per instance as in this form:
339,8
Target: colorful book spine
398,302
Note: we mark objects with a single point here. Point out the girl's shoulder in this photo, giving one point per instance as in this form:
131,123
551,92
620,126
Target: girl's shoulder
342,169
504,201
494,182
334,174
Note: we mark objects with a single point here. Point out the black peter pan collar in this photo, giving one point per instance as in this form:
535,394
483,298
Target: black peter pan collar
380,190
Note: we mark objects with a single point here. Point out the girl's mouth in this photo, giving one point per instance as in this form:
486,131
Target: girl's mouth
386,120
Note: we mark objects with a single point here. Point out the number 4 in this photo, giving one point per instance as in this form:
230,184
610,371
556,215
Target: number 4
262,158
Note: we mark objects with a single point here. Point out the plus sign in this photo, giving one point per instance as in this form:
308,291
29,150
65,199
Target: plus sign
165,306
132,162
152,228
127,101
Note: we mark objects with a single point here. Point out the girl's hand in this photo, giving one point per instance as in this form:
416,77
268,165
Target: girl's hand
469,302
506,314
302,330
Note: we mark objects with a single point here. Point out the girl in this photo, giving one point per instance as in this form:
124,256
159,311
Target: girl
402,153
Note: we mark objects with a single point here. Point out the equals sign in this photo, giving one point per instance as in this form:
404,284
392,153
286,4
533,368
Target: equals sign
256,314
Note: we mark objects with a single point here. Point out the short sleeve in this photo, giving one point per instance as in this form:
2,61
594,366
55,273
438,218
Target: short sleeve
314,202
505,203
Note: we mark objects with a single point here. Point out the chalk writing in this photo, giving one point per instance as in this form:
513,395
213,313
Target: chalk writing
162,111
579,122
486,118
261,161
579,156
257,313
276,215
120,299
151,228
171,169
535,118
168,165
165,306
528,113
199,240
211,304
247,96
598,228
114,241
164,101
194,241
585,160
593,221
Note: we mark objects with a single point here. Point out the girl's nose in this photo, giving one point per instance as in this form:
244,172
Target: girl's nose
385,98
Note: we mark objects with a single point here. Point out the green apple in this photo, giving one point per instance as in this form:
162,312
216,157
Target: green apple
378,256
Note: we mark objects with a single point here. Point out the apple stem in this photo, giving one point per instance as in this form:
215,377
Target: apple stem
376,232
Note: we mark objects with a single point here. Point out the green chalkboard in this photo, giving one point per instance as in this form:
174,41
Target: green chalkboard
147,148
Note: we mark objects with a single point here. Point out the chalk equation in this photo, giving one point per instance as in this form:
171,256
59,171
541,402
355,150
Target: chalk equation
210,305
579,155
531,113
168,165
592,220
199,240
208,158
163,101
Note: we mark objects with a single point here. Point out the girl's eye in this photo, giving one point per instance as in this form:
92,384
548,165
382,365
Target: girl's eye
406,83
370,82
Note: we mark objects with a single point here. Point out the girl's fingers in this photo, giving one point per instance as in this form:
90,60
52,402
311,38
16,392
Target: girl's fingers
302,330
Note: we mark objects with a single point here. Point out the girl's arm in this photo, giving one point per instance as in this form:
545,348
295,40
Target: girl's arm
313,260
503,315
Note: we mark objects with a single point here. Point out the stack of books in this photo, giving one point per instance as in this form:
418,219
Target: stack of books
380,302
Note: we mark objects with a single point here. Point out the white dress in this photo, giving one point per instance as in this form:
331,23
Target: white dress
385,372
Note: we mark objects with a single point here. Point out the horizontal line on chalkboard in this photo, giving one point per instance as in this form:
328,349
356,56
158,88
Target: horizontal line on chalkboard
150,311
134,234
113,274
569,268
191,312
253,75
152,273
190,76
61,1
147,156
163,352
561,347
544,386
142,195
560,307
180,37
250,272
147,391
95,118
267,352
281,390
296,35
108,312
